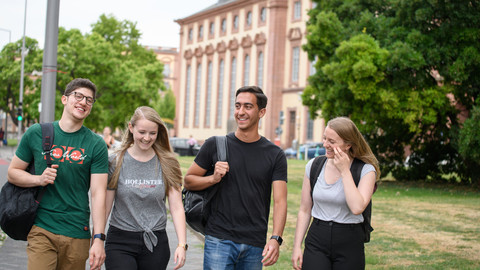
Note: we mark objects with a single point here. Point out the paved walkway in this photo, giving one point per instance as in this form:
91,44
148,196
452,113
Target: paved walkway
13,253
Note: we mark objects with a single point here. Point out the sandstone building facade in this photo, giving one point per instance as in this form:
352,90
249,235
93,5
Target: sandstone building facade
245,42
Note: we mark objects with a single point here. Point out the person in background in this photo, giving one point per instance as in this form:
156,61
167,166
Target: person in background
191,143
60,237
2,135
107,137
335,237
142,174
236,230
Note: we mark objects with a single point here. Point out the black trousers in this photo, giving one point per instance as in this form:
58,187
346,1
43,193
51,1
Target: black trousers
126,250
331,245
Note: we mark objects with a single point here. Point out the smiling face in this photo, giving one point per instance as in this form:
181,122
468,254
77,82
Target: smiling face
247,113
79,110
332,140
145,134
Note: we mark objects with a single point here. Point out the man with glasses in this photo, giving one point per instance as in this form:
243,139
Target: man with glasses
60,237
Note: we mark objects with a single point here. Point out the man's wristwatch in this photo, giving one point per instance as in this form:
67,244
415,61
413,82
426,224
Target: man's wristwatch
278,238
184,246
101,236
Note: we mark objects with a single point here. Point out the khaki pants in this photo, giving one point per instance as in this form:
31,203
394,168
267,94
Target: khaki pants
49,251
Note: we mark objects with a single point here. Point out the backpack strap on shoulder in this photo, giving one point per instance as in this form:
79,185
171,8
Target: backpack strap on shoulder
221,142
47,143
315,170
222,150
356,170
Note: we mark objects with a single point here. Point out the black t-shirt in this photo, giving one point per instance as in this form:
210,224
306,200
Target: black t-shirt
241,207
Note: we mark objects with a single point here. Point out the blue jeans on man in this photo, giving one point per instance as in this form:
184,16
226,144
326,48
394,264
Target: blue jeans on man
226,254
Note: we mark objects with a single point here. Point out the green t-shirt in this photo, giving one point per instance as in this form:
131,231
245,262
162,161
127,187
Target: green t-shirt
64,208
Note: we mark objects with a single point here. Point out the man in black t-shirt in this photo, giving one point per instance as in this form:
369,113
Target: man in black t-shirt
235,234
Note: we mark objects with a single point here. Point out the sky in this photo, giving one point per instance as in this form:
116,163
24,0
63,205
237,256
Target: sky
154,18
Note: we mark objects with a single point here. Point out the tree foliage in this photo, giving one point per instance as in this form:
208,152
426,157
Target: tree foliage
10,70
126,74
400,70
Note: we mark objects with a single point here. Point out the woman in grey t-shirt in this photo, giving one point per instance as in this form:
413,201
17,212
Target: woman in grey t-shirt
335,238
142,174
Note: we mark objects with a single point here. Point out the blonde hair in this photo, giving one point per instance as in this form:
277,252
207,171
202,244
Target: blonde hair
172,175
348,131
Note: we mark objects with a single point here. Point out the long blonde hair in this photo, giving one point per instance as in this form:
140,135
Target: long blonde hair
348,131
172,175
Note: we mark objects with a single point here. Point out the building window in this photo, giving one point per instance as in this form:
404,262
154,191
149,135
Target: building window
260,70
246,70
197,95
297,10
200,31
166,70
221,73
190,34
309,127
263,14
313,70
209,94
249,18
295,63
212,28
224,26
235,22
187,96
233,80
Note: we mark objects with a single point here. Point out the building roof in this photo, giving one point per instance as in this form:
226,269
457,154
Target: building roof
214,6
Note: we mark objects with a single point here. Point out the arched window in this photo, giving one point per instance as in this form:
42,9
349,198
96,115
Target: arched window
221,73
187,96
260,70
249,18
263,14
209,94
233,80
197,95
246,70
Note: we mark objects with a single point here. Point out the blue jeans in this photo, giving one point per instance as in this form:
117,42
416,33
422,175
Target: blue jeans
226,254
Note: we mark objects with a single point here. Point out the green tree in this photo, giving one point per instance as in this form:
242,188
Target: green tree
10,70
126,74
397,68
165,106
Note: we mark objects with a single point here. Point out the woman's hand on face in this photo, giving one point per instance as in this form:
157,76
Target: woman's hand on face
341,160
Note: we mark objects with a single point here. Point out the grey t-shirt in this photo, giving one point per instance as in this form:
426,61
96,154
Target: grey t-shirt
329,202
139,204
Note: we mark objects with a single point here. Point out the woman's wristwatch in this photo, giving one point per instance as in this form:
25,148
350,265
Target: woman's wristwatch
184,246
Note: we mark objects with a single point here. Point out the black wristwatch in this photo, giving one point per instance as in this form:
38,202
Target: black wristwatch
278,238
99,235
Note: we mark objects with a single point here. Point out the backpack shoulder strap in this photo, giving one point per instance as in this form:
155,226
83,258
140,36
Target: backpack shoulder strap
356,170
47,143
315,170
222,150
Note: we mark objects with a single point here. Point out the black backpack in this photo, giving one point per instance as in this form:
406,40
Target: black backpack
197,203
18,205
356,170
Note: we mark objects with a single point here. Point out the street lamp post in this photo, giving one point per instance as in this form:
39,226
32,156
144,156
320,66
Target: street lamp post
20,99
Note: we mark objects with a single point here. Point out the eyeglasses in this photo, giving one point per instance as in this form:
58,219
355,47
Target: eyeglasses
79,97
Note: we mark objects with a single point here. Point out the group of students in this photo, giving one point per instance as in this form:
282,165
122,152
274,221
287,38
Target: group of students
134,183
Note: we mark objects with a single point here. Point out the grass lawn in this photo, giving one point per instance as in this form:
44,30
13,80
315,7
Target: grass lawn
416,226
